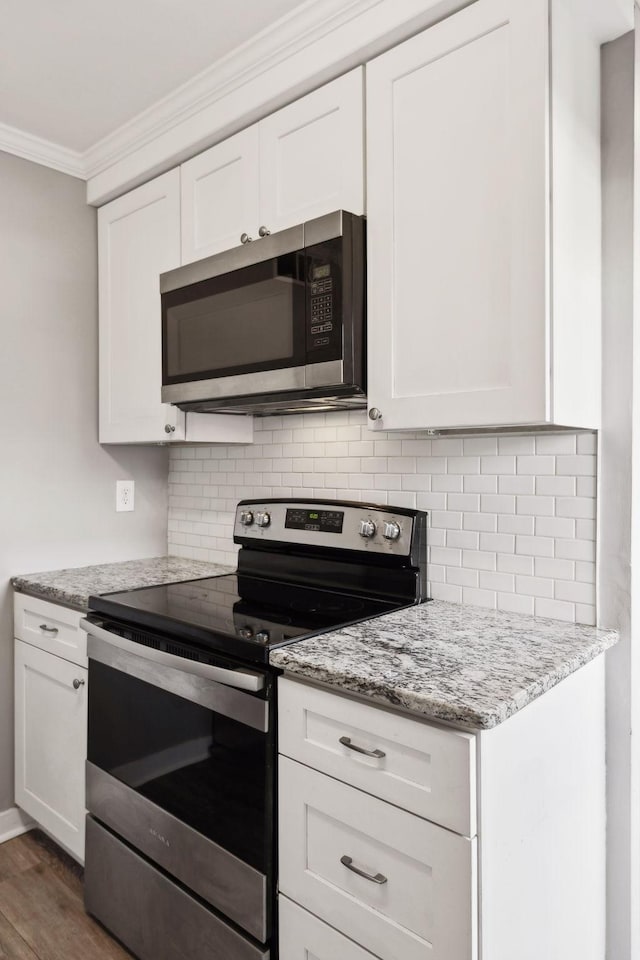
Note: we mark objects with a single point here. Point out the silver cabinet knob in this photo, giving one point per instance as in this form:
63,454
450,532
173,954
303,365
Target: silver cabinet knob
367,529
169,428
391,530
264,231
263,519
246,518
245,238
375,414
77,684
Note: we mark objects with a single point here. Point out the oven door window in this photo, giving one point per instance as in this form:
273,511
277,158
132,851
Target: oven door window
212,772
247,321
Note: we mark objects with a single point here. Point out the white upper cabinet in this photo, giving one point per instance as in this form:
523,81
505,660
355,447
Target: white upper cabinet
220,196
138,239
483,194
312,155
301,162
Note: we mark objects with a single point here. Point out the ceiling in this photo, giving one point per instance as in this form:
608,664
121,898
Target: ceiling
74,71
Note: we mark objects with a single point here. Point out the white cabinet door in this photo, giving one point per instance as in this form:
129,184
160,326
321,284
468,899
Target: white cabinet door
138,239
220,196
312,155
51,743
457,193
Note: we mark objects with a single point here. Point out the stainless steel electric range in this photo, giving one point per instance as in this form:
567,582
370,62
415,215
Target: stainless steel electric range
181,772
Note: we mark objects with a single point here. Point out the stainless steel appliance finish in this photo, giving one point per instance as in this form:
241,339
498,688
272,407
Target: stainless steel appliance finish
185,680
181,767
273,326
236,889
152,915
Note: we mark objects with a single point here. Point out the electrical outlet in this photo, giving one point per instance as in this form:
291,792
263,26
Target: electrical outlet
125,491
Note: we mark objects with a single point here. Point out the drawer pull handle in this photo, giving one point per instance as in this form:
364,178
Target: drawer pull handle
377,754
375,878
52,630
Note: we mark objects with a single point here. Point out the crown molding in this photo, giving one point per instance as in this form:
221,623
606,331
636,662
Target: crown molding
49,154
300,28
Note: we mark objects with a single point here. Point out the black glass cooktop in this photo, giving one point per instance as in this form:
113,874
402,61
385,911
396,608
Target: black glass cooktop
239,614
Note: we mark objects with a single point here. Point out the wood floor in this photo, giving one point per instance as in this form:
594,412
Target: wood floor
41,912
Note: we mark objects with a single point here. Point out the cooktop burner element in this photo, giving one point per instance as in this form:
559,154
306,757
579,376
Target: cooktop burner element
304,568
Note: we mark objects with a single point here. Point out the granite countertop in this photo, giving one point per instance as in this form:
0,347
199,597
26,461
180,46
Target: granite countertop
73,587
463,665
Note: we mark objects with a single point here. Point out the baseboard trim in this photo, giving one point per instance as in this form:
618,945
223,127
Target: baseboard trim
13,822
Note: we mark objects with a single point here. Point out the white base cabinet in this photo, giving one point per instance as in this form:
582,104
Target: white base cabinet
527,882
51,743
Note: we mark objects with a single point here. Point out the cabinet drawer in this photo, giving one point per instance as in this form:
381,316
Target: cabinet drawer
51,627
304,937
420,894
425,769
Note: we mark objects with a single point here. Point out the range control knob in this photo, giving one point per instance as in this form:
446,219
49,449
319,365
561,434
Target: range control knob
263,636
391,530
246,633
263,519
246,518
367,529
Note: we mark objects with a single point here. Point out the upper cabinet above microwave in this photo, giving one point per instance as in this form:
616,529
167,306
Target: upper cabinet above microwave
297,164
483,195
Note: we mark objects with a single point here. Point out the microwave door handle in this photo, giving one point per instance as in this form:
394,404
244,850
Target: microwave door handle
241,679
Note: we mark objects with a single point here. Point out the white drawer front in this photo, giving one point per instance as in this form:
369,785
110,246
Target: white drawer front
51,627
304,937
426,905
425,769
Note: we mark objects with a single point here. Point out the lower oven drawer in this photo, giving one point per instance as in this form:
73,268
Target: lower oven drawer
229,884
155,918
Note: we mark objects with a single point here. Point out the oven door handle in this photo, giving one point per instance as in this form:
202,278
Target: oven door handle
241,679
215,688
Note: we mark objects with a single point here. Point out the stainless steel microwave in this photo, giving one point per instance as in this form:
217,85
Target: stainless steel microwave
276,325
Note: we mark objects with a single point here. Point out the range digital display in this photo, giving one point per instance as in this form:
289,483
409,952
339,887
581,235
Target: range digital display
321,521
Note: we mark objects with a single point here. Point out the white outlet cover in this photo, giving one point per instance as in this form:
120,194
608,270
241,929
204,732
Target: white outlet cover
125,493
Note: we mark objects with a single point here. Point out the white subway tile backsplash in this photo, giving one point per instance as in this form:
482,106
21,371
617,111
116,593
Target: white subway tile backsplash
557,443
512,519
523,525
537,466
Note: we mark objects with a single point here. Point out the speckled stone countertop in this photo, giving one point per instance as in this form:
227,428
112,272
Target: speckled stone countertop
74,586
463,665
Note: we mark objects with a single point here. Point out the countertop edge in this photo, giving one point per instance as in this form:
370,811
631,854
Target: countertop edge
430,708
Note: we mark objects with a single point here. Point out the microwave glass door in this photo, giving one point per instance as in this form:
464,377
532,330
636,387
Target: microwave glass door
246,321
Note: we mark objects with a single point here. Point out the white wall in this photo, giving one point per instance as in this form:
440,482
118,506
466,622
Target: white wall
512,519
57,485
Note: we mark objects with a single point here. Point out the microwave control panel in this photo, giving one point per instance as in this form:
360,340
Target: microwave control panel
324,296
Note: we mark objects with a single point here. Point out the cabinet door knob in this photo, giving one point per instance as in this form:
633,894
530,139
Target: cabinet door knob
264,231
168,428
245,238
375,414
77,684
